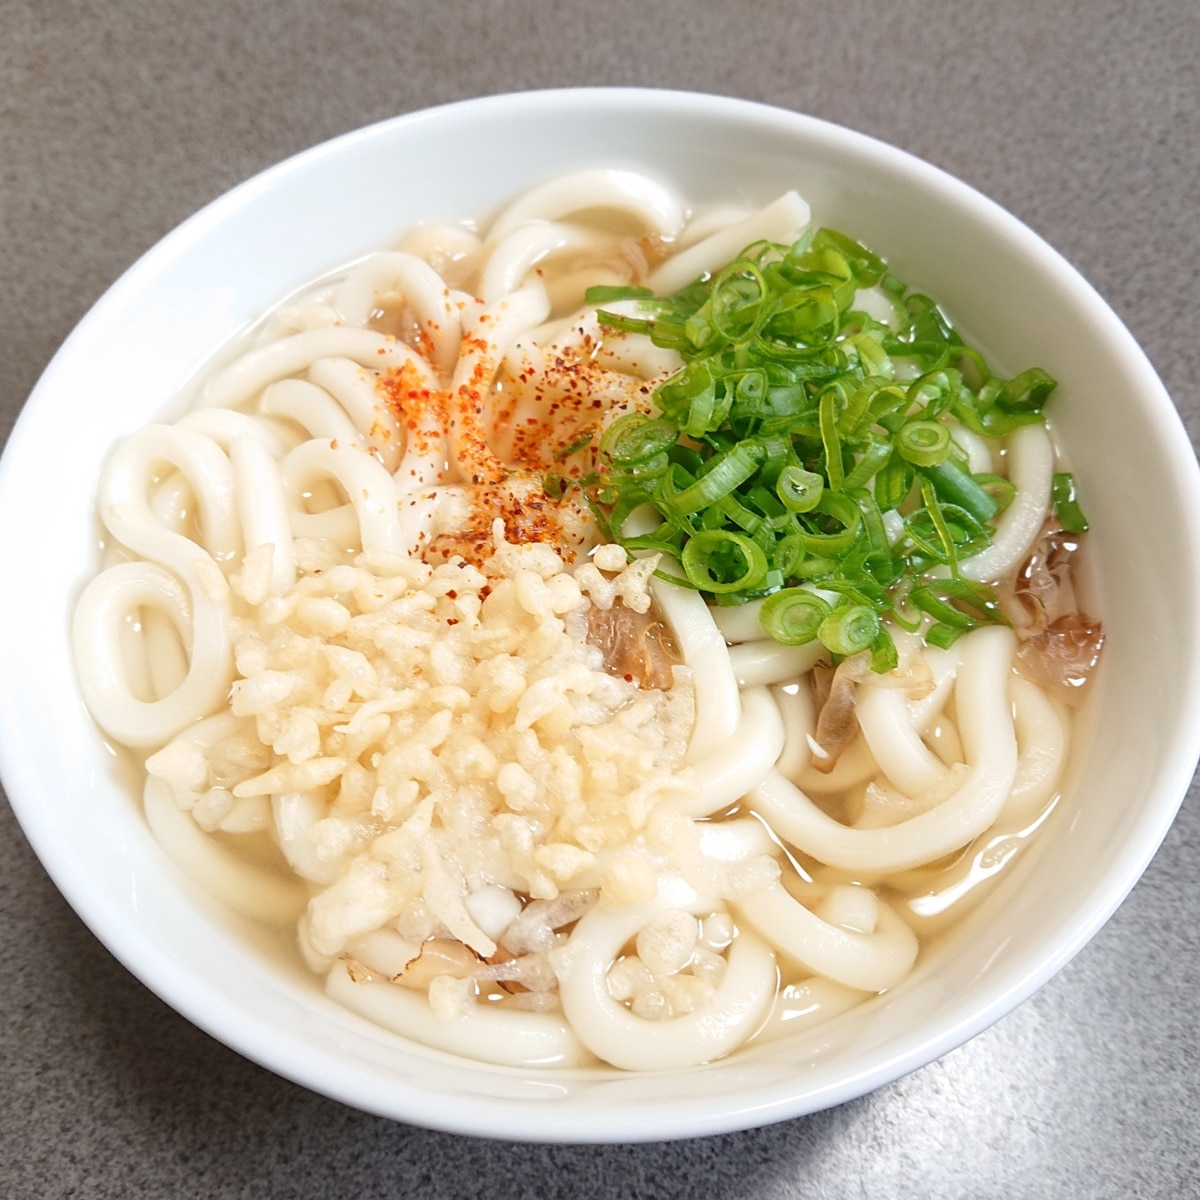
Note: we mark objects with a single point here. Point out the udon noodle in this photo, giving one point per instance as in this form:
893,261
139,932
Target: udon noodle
517,794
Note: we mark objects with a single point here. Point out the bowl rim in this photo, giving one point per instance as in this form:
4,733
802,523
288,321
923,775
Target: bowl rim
485,1116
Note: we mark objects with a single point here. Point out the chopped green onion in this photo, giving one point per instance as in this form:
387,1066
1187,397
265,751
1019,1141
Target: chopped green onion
834,471
635,438
1000,489
943,636
1066,503
624,324
923,443
800,490
564,452
718,560
794,616
843,511
893,482
959,602
869,464
954,484
787,553
938,519
1026,392
804,440
884,655
850,628
604,293
723,475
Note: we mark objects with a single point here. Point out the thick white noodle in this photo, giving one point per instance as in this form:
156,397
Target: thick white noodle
511,259
123,495
196,599
883,717
295,814
632,354
482,1032
706,223
986,724
353,387
658,209
1042,742
718,706
731,768
312,408
798,712
372,496
263,509
172,502
426,514
876,303
165,655
256,893
225,424
109,601
618,1036
699,856
394,273
739,622
451,250
855,766
782,220
494,330
241,381
735,839
768,661
635,354
871,962
425,452
943,664
979,454
800,1006
1030,469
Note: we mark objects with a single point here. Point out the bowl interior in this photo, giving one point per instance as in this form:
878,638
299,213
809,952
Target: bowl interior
1008,291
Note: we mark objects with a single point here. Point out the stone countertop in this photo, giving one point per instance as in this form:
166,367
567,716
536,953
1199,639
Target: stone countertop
119,120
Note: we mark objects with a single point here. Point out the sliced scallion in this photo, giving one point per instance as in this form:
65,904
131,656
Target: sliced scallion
923,443
794,616
1066,503
850,628
719,560
805,441
800,490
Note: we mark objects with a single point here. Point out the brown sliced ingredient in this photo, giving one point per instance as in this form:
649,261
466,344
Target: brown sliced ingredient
1059,646
636,646
1042,591
439,956
837,723
1064,656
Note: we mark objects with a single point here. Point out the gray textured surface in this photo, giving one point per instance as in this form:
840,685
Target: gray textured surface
118,120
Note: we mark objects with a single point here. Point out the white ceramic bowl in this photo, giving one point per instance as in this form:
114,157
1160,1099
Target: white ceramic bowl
1008,290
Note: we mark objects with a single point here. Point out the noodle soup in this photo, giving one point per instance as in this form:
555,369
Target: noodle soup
560,671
